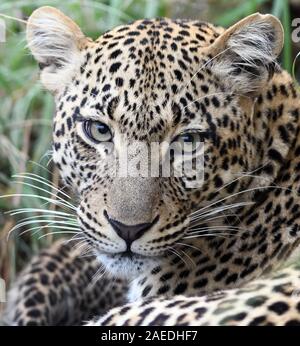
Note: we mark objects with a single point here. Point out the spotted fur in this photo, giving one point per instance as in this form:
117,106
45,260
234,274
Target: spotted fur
152,80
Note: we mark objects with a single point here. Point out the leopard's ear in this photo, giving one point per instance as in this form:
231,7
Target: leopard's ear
55,41
244,56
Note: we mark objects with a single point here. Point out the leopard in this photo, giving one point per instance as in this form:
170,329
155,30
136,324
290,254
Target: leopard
169,250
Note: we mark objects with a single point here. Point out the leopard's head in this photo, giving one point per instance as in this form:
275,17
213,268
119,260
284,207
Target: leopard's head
156,81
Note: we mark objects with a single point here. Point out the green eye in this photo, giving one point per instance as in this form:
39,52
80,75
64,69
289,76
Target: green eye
97,131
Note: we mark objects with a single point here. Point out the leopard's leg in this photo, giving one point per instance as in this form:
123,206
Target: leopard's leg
273,300
57,288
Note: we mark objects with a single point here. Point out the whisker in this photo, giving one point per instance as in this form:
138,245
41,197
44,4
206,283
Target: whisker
238,193
82,244
198,213
52,233
49,161
39,228
215,227
205,229
89,252
29,222
175,252
212,218
50,225
38,218
242,176
53,201
41,189
41,166
221,235
36,210
190,246
190,259
97,276
87,255
75,238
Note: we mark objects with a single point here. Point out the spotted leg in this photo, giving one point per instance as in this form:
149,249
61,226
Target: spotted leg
57,288
274,300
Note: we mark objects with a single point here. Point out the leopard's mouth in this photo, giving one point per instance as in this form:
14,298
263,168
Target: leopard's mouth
143,255
127,264
129,256
126,255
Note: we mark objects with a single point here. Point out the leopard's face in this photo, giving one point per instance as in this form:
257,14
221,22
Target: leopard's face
153,81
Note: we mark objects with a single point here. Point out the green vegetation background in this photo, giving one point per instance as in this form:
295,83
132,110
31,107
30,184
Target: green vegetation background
26,110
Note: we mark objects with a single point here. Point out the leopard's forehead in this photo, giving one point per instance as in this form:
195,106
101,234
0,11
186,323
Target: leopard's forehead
164,40
141,67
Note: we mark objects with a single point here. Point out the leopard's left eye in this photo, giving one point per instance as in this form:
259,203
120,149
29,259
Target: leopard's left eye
189,142
98,132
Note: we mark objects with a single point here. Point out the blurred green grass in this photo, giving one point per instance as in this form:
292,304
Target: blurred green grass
26,110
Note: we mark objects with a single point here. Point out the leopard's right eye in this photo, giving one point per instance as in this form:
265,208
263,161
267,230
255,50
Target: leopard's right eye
189,142
97,131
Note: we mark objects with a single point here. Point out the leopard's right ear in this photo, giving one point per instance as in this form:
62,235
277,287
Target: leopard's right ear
56,42
245,54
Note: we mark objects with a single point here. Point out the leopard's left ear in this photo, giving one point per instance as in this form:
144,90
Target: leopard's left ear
244,56
55,41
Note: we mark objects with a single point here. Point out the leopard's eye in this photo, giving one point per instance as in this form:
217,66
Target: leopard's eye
97,131
189,142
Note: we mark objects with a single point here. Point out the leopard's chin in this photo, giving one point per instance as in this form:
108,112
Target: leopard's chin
127,265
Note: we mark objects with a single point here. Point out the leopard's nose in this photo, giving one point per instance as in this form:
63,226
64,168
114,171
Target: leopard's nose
130,233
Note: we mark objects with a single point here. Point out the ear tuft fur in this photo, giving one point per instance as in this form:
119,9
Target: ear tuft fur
247,53
55,42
